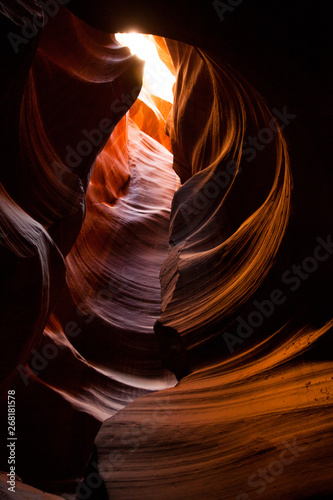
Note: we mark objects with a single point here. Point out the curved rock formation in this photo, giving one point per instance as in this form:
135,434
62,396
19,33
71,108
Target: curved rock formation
245,422
167,314
130,195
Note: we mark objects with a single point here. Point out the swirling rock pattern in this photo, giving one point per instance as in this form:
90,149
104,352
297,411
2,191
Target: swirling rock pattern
43,204
144,243
225,430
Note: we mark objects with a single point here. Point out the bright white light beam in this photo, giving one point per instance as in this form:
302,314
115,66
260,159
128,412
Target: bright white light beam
157,79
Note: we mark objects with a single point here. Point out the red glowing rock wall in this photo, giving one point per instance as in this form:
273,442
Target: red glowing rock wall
119,277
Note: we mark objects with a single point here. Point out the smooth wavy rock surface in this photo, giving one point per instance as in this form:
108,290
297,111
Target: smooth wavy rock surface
166,268
77,362
247,420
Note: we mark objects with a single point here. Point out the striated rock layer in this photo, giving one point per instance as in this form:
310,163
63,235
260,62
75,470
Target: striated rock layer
144,242
98,350
254,413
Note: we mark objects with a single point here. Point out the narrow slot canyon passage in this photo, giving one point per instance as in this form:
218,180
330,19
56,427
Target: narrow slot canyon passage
166,251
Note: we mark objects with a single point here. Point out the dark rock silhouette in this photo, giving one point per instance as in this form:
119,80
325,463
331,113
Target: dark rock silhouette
166,314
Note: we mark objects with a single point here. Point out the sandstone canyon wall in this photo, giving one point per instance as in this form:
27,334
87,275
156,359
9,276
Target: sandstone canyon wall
166,319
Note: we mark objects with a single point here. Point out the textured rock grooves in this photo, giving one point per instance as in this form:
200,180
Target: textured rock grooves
144,242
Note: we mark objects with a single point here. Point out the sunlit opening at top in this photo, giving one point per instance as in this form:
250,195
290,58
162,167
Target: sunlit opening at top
157,79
